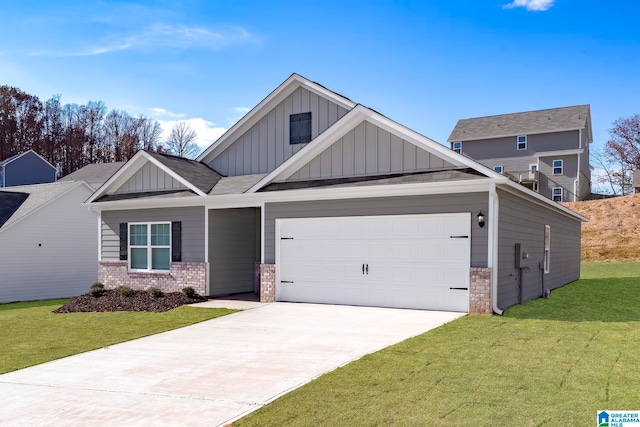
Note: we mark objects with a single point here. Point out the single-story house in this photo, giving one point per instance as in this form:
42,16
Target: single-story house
25,169
311,197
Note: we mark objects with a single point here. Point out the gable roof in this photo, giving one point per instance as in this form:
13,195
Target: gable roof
194,175
17,156
9,203
348,122
267,104
525,123
94,174
38,196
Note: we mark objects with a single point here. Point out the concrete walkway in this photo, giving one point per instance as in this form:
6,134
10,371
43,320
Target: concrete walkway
206,374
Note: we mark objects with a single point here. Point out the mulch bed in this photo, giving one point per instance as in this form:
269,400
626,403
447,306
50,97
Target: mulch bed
112,300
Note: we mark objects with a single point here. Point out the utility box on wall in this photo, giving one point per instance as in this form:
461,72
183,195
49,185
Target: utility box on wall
520,256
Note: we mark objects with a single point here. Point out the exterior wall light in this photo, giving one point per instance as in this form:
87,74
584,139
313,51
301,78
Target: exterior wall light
481,219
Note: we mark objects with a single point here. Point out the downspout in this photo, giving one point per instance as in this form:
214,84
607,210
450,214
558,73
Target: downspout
493,246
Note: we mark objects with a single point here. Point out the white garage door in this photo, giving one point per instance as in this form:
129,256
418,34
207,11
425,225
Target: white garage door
405,261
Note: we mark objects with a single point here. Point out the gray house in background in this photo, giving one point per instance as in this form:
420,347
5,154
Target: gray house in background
26,169
544,150
311,197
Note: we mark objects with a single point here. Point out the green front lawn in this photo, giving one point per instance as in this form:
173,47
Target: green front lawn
30,333
546,363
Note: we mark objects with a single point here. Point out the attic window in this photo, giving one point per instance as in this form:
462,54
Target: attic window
522,142
457,147
300,128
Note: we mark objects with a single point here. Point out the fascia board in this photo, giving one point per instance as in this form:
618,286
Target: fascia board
258,199
267,104
525,193
559,153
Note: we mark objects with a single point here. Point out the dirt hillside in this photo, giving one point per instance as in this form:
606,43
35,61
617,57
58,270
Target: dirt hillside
613,230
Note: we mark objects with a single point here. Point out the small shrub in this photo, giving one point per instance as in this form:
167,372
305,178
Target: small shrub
125,291
189,292
155,292
97,290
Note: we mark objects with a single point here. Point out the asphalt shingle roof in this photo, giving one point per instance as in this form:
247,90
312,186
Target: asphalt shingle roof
95,174
9,203
525,123
198,174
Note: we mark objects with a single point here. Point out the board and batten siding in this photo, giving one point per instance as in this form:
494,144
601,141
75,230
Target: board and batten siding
234,247
265,145
436,204
52,253
149,178
368,149
193,236
523,222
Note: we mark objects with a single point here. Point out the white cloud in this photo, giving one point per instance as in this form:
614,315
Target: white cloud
531,5
161,112
242,110
207,131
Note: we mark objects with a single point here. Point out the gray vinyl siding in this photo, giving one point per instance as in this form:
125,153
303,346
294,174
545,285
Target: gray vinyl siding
496,148
193,236
511,164
585,167
234,242
149,178
265,146
368,149
454,203
548,180
28,169
523,222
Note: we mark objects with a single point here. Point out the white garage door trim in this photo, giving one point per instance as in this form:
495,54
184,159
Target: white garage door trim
426,257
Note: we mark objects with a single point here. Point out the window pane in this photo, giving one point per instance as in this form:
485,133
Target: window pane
139,258
160,235
160,259
300,128
138,235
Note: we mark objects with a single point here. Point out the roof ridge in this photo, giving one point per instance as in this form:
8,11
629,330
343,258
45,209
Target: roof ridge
529,111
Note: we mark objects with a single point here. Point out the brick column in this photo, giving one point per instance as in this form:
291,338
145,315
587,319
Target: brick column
267,282
480,290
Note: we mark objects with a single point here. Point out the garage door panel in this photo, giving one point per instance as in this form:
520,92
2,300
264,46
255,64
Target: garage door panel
412,261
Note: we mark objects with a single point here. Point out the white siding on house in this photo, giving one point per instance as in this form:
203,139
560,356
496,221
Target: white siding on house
368,150
149,178
265,146
52,253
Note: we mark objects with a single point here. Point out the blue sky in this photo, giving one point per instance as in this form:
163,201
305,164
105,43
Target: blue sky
425,64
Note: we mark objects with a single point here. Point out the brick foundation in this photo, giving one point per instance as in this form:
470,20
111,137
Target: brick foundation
480,290
267,282
182,274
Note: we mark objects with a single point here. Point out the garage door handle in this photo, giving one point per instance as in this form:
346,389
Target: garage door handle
459,289
459,237
286,238
286,281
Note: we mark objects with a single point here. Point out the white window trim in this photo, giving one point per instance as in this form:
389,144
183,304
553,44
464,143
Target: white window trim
148,247
553,194
459,149
495,169
533,166
553,166
518,142
547,248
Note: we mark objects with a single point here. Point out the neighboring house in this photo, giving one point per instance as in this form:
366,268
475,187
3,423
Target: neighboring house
314,198
94,174
25,169
545,150
48,246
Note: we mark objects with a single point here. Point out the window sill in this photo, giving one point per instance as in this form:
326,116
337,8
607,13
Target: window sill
150,271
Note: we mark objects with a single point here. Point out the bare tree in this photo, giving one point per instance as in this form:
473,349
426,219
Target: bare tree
181,140
623,150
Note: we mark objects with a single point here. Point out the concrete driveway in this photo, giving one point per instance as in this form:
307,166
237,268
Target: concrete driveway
206,374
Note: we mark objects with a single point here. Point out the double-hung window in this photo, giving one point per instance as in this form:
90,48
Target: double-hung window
150,246
457,147
499,169
522,142
557,167
557,194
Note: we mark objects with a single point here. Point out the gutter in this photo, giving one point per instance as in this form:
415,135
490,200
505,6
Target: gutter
493,246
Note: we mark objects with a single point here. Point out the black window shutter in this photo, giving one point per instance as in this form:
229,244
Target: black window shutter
176,241
123,241
300,128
